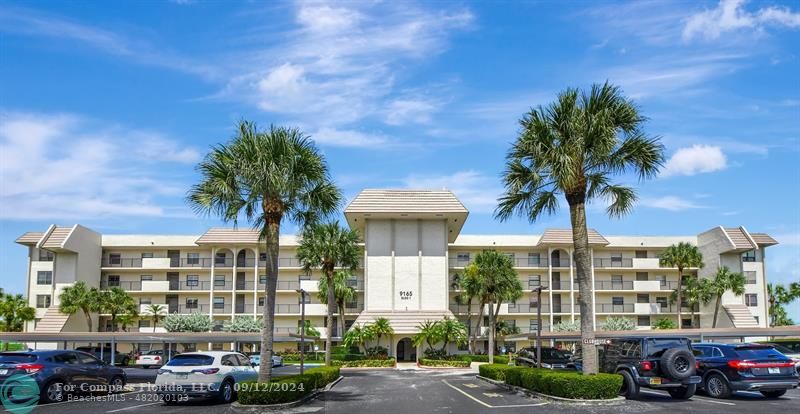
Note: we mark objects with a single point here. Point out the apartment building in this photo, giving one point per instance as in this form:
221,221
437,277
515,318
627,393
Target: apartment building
413,254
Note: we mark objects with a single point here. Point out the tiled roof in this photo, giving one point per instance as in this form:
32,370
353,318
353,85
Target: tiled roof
56,238
763,239
739,238
564,236
405,201
31,237
223,235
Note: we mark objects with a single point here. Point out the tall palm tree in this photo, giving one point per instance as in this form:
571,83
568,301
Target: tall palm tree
379,329
266,176
14,312
681,256
574,147
116,301
341,291
79,297
471,284
693,293
779,295
499,283
329,246
724,281
156,313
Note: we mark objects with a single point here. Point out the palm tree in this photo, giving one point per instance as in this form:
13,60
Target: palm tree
327,247
574,147
156,313
693,293
126,319
451,331
357,336
503,329
14,312
724,281
498,283
471,284
429,334
116,301
79,297
681,256
379,328
341,291
780,295
265,177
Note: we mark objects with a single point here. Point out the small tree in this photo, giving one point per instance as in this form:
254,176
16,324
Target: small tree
503,329
379,329
724,281
665,323
429,334
156,313
193,322
778,296
357,336
244,323
117,301
451,331
80,298
614,323
14,312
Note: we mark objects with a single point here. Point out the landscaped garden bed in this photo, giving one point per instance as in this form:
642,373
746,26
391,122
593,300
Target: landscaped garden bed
283,390
365,363
563,384
443,363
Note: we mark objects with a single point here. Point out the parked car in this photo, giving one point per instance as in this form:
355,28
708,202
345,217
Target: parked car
60,372
789,352
552,358
255,360
203,375
120,358
152,358
652,362
727,368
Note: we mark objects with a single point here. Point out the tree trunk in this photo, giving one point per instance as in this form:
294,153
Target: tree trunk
580,241
478,325
716,311
491,336
469,324
341,319
331,307
679,300
271,245
88,316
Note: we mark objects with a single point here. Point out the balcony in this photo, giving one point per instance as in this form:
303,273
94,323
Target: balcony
565,308
220,309
245,285
358,308
190,285
460,262
611,308
529,262
611,285
125,285
532,329
462,309
193,262
667,285
244,308
560,262
535,284
559,285
121,262
287,308
287,285
185,308
605,262
527,307
249,262
357,284
226,262
227,285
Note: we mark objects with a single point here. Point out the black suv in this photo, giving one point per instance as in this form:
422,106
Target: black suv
552,358
661,363
727,368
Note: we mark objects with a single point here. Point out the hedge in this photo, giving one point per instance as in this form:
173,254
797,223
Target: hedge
390,362
443,363
566,384
287,389
498,359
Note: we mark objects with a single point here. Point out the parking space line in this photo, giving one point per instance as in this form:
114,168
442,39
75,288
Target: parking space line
489,405
133,407
694,398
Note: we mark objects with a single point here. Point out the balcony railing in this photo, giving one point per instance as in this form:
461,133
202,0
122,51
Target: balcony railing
532,329
243,308
530,262
527,307
667,285
190,285
226,262
461,262
122,262
559,285
611,308
125,285
462,309
290,308
609,262
354,309
202,262
357,284
534,284
565,308
184,308
611,285
286,285
245,285
223,286
248,262
560,262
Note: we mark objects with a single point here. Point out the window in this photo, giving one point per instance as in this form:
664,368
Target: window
617,300
534,325
219,280
42,301
44,277
219,302
616,258
641,276
191,303
462,257
144,323
642,298
306,297
192,348
69,358
262,257
749,256
147,255
262,279
534,281
114,259
146,277
192,258
662,300
145,301
643,321
533,259
216,346
751,299
261,301
641,254
220,258
45,256
113,280
192,280
304,277
750,278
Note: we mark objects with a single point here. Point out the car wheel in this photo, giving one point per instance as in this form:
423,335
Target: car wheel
716,386
630,389
116,384
678,363
226,392
683,393
773,394
53,392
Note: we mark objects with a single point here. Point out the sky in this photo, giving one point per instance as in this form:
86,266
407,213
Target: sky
107,107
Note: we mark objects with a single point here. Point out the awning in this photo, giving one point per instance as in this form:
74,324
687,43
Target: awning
403,322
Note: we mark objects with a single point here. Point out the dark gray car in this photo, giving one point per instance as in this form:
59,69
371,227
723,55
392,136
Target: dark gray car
60,372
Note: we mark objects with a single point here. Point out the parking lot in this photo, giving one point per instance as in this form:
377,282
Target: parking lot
394,391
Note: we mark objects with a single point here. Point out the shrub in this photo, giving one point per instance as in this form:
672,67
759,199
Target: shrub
444,363
377,352
514,376
287,389
498,359
494,371
435,354
374,363
566,384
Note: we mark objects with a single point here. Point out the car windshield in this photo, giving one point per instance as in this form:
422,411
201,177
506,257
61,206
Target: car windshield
154,352
193,360
552,354
657,346
758,352
782,349
17,358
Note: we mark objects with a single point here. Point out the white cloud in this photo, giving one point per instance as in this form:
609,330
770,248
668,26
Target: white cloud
66,167
671,203
478,191
348,138
403,111
730,16
695,160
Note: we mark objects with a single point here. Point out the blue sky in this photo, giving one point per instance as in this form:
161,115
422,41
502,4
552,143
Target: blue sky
105,108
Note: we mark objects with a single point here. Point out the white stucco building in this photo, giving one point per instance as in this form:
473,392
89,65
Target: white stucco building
413,251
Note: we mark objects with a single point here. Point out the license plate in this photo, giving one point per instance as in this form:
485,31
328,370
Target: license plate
655,380
181,375
775,370
3,371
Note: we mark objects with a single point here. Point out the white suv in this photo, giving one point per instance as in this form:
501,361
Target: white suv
203,374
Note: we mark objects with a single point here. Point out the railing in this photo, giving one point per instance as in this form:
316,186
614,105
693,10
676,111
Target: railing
248,262
609,262
532,329
357,284
225,308
287,331
287,285
183,308
226,262
611,285
355,309
461,262
527,307
462,309
560,262
244,308
557,285
611,308
283,262
530,262
122,262
290,308
245,285
533,284
565,308
190,285
666,285
223,286
204,262
125,285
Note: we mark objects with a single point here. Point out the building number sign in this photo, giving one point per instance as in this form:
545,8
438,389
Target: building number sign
406,294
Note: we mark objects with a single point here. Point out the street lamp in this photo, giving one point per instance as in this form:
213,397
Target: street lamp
303,294
538,291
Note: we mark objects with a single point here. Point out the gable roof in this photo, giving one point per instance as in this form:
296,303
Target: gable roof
564,237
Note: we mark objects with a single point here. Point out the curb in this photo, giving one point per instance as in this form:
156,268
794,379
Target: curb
242,408
365,368
613,401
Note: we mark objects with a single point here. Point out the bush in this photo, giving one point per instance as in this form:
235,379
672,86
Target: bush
498,359
566,384
287,389
444,363
494,371
435,354
374,363
377,352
